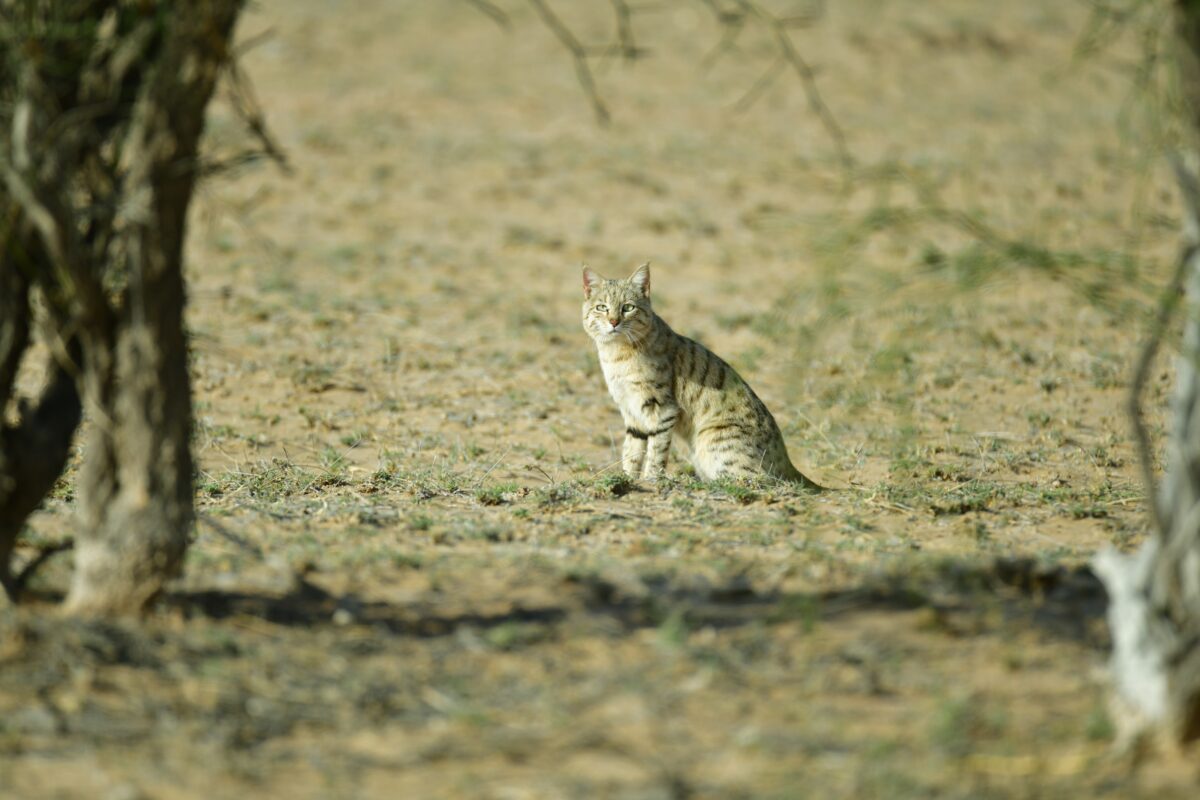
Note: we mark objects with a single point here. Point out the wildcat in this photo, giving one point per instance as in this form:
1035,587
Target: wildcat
667,385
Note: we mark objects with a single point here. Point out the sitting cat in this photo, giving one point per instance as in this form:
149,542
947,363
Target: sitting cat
668,385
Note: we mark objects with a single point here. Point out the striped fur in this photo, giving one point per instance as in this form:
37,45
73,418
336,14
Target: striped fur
668,387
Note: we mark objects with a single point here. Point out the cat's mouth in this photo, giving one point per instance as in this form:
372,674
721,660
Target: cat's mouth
618,332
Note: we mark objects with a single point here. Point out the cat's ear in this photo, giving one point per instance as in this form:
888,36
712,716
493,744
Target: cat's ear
591,279
641,279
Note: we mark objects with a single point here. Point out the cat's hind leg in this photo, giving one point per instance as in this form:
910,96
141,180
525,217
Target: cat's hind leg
720,451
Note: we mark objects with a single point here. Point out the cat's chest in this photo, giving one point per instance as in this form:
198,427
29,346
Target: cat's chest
628,376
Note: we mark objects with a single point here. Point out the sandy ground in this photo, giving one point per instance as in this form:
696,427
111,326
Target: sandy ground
417,572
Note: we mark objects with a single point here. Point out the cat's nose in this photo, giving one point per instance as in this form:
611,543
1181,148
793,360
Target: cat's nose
614,322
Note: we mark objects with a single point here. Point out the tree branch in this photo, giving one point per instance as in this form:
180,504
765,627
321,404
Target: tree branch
808,78
492,12
760,86
625,43
582,70
1167,305
246,106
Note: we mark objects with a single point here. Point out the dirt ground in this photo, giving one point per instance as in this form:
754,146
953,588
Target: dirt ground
417,572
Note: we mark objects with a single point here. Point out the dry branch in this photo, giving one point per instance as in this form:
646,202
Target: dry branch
628,49
808,77
760,86
492,12
580,56
731,21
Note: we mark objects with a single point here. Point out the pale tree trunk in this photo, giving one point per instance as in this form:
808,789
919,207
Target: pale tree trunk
1154,595
101,115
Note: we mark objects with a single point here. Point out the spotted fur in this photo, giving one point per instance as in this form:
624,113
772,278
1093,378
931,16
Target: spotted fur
668,387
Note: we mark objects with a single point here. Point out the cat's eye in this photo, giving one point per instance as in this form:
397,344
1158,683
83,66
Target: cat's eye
627,308
602,308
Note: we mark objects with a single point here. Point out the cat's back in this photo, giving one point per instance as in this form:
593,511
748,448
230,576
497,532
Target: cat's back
708,385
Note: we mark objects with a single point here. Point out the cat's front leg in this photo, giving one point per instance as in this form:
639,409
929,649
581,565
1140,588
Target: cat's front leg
658,444
633,454
658,449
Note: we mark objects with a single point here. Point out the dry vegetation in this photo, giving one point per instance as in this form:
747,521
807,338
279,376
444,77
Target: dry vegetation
418,572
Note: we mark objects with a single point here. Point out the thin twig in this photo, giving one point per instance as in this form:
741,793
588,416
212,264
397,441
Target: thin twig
732,26
245,104
625,41
492,11
733,21
253,41
1167,305
760,86
807,76
582,70
492,468
218,166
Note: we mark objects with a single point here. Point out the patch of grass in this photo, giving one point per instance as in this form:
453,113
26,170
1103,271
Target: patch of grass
802,607
743,492
509,636
961,724
560,493
673,630
1087,511
406,560
333,462
313,376
969,497
496,495
354,439
614,484
272,481
891,359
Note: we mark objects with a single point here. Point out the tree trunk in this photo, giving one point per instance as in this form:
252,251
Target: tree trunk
102,106
1154,595
136,486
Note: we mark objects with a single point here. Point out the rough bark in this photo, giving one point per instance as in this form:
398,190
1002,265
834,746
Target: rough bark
102,106
136,485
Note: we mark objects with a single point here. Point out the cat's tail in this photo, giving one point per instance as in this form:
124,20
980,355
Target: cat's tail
796,476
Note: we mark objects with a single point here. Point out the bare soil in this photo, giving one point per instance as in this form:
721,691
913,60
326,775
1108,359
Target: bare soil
417,572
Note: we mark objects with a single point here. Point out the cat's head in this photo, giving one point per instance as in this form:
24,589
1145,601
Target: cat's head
617,311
